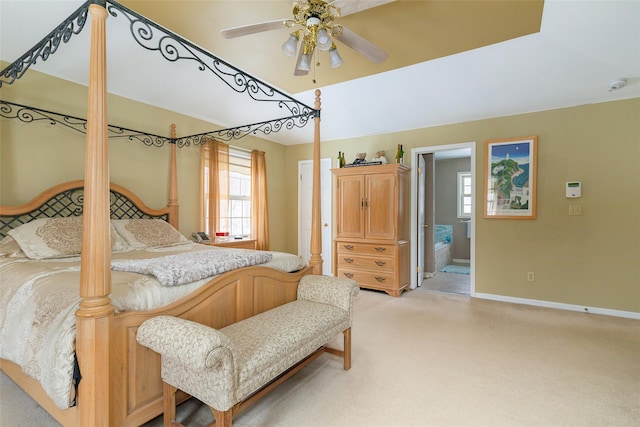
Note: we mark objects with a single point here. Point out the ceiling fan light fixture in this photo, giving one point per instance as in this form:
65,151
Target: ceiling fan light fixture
334,57
323,40
313,25
290,47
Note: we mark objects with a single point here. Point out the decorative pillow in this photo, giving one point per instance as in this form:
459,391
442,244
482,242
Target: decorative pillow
10,248
46,238
148,233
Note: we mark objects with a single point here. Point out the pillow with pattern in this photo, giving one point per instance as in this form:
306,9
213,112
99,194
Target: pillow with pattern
46,238
148,233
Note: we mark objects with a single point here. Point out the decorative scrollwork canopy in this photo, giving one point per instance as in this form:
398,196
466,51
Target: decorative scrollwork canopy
171,47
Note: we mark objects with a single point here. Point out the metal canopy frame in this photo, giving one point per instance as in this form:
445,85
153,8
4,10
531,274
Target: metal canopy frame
153,37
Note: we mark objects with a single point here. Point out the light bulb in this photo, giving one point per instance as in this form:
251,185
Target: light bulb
305,62
334,58
291,45
323,40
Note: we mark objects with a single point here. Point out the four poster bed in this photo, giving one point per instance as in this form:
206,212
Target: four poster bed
120,380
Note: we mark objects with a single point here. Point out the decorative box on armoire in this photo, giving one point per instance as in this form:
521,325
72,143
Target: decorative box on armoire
372,233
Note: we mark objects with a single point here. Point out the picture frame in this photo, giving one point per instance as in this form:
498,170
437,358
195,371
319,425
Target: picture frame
510,178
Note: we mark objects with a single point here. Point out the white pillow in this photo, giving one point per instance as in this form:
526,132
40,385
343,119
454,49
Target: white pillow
148,233
47,238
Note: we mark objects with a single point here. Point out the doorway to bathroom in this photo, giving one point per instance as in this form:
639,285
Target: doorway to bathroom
442,215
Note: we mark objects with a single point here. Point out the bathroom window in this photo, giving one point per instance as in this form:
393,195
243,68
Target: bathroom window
464,194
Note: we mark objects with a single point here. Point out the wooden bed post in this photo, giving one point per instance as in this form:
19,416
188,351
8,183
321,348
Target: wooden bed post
173,182
94,317
315,261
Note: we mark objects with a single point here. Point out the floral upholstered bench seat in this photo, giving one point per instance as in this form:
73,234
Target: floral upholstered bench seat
225,367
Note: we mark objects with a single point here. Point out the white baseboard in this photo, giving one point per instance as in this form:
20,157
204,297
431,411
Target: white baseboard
561,306
462,261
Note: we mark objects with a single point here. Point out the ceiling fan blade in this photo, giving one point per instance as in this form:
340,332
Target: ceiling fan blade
347,7
362,46
244,30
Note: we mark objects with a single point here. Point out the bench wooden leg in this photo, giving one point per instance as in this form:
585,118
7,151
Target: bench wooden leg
169,397
345,353
223,418
347,349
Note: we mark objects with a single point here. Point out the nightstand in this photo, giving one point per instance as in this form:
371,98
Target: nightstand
233,243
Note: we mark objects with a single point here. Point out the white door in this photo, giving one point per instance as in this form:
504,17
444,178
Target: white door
421,219
305,191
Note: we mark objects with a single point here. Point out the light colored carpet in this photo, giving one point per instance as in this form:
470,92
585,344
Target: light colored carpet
434,359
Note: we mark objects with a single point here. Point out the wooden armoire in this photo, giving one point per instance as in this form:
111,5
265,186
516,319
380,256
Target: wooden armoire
372,234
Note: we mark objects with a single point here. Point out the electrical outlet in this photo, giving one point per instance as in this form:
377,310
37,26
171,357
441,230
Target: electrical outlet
575,210
530,276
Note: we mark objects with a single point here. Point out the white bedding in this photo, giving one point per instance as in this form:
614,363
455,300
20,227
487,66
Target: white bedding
38,300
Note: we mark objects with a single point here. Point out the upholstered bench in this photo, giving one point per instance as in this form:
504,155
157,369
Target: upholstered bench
232,367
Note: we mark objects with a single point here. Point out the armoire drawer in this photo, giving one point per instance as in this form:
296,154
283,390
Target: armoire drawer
378,280
344,248
348,260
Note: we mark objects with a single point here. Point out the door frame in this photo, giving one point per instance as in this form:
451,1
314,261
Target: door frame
420,217
415,152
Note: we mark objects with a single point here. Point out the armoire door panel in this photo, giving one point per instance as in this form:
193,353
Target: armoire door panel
380,206
351,200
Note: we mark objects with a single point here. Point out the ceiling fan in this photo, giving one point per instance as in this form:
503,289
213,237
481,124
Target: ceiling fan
314,27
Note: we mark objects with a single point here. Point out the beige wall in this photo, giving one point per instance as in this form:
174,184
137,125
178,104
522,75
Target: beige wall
588,260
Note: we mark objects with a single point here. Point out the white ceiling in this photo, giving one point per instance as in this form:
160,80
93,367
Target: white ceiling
582,46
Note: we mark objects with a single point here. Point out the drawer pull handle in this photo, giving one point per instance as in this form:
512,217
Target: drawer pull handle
380,279
349,260
349,275
348,247
380,263
380,249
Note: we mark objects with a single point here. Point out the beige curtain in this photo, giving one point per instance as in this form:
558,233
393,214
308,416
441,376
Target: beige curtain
214,187
259,210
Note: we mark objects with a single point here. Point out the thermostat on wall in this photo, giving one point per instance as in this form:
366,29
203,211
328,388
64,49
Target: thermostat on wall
574,189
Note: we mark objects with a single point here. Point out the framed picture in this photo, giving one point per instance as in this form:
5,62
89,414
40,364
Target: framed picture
510,178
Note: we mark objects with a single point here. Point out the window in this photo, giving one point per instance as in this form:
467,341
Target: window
464,194
238,219
234,192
